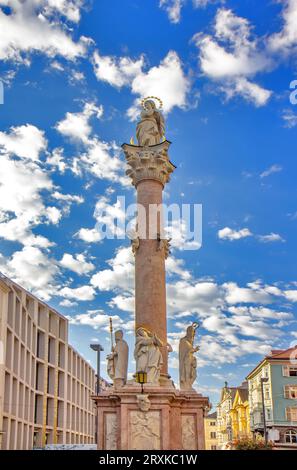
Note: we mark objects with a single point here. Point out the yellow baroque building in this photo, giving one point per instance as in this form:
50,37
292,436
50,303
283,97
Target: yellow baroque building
240,414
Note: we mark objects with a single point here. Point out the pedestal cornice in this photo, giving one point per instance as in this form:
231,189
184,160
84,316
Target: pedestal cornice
148,163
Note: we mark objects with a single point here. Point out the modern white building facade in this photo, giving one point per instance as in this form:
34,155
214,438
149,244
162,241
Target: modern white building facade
45,385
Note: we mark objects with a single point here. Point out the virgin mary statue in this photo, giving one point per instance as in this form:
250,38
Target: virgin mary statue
151,127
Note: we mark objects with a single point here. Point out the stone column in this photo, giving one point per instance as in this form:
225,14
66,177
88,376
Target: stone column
149,169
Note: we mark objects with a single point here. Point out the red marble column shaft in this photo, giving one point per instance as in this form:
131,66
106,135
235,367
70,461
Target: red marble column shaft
150,283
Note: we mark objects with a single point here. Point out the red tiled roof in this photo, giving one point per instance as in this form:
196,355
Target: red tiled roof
282,353
277,354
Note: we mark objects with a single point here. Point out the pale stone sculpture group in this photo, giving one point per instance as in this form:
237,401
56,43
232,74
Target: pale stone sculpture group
149,359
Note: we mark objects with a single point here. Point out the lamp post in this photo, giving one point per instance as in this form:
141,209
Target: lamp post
98,348
264,380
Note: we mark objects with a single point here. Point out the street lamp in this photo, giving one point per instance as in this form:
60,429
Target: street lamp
141,378
264,380
98,348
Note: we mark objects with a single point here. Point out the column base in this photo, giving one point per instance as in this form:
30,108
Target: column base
159,419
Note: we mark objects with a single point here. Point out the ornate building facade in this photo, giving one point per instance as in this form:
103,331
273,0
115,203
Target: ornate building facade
240,413
279,369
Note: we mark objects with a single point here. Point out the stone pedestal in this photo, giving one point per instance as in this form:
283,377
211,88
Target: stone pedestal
169,419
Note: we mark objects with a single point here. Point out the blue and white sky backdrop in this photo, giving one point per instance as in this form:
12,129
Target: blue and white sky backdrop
73,73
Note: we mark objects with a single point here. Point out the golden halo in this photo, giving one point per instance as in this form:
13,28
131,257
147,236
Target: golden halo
152,98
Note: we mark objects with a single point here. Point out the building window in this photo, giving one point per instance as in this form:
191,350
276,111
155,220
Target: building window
291,436
213,447
291,391
291,414
213,435
289,371
212,423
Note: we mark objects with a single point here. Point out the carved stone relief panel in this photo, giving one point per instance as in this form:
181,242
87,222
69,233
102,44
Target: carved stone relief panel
110,431
189,433
144,430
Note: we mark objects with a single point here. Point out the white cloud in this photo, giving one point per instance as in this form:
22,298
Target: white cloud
254,293
176,266
56,160
124,303
76,125
272,169
120,275
53,214
289,118
21,201
167,80
68,198
232,55
69,8
88,235
67,303
173,9
24,141
77,263
26,29
32,269
286,40
98,319
101,159
271,237
81,293
261,312
116,71
229,234
25,185
291,295
200,296
204,3
250,91
110,222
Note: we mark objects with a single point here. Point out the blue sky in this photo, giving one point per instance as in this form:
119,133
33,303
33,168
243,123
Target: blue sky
73,74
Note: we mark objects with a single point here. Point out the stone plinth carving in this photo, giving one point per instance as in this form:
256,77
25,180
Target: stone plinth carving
148,163
161,418
144,430
111,430
189,438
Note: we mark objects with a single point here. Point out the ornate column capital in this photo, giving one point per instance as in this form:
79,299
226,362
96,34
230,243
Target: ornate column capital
148,162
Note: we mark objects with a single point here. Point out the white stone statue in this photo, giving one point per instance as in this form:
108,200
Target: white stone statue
151,127
148,355
117,361
187,360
